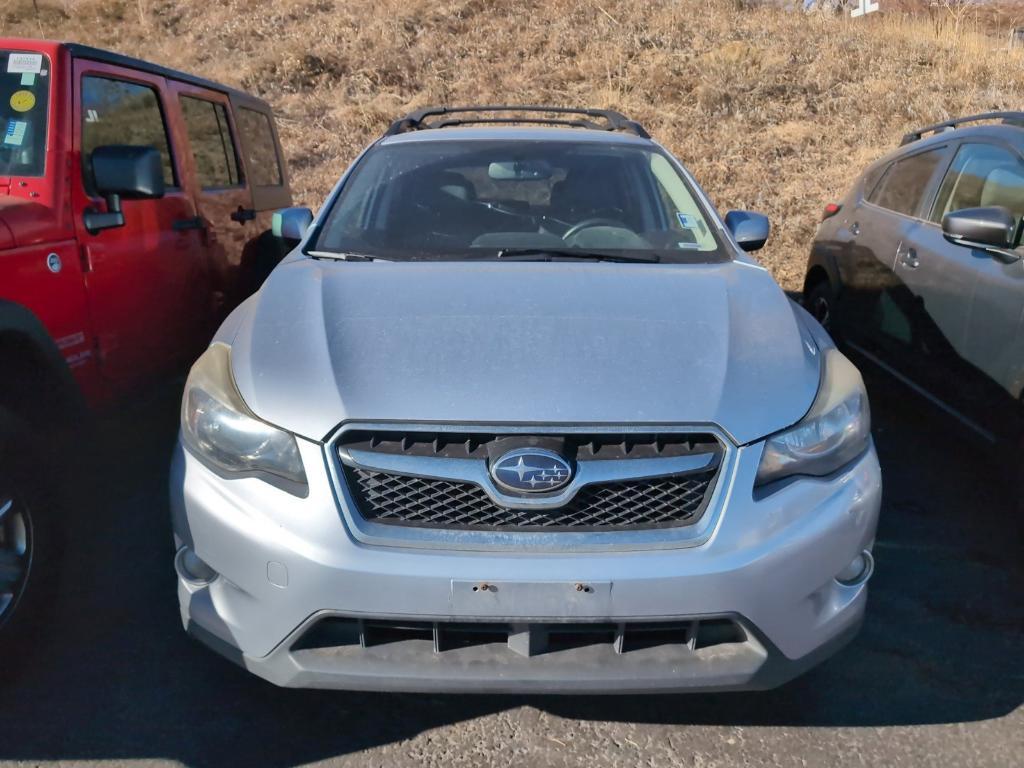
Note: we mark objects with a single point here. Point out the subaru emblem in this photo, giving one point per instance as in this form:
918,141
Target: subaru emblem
531,470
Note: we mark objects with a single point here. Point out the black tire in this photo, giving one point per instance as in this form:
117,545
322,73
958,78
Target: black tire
820,301
29,544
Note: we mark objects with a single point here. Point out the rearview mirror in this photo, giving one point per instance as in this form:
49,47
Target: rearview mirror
750,230
520,170
992,229
291,223
122,171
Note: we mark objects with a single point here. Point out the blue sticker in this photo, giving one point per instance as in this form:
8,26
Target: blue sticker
14,136
686,221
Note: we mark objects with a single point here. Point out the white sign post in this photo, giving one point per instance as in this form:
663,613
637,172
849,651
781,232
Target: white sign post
864,7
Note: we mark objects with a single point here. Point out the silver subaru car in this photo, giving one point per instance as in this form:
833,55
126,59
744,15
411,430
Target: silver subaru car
519,413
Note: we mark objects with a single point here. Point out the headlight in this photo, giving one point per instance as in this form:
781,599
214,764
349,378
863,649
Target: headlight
219,428
834,432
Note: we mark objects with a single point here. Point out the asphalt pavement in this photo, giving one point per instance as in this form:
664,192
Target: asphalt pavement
935,678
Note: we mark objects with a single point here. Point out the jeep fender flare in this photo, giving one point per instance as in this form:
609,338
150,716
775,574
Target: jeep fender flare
20,324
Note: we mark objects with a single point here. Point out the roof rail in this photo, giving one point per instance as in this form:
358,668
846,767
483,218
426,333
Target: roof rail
573,117
948,125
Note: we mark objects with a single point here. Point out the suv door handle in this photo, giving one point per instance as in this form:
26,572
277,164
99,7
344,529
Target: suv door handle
908,257
243,215
196,222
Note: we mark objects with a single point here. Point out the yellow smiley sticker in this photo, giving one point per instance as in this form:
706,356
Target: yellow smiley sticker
22,101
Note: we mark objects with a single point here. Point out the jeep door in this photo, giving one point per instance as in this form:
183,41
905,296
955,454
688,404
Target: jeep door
971,302
146,280
889,322
220,189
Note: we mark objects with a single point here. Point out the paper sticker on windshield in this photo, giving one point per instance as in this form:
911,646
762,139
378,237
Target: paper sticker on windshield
689,246
14,136
22,101
28,78
25,62
686,221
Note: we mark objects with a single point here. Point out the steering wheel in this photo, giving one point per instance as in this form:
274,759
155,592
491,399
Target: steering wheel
575,229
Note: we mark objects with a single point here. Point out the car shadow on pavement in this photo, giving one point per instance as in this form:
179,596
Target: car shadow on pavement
118,678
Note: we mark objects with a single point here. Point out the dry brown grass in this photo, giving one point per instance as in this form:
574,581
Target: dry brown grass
772,110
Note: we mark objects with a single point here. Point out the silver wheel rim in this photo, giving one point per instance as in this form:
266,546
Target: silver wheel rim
15,552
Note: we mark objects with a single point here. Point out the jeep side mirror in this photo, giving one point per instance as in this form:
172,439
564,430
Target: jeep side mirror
122,171
291,224
750,230
992,229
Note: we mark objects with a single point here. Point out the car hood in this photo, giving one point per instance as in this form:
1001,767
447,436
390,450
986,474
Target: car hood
325,342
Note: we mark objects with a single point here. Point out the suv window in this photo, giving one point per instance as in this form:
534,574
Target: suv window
982,175
213,146
261,152
905,182
119,112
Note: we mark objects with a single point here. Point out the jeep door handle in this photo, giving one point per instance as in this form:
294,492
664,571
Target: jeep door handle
908,258
243,215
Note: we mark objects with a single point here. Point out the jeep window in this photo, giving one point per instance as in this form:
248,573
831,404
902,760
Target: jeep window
119,112
213,146
456,198
905,182
24,107
982,175
260,148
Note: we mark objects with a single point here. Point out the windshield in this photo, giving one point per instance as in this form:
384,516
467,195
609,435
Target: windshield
24,98
457,198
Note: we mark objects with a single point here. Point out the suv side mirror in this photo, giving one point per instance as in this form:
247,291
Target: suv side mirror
992,229
122,171
750,230
291,223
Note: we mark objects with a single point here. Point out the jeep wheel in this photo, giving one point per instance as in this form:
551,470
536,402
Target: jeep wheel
15,549
28,557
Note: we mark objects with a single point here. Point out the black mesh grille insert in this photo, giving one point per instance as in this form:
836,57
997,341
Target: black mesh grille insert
396,499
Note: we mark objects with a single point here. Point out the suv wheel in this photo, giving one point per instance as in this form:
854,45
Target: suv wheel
820,301
28,556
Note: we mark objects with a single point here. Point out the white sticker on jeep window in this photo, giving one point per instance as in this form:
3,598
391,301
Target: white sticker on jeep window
28,78
14,136
686,221
25,62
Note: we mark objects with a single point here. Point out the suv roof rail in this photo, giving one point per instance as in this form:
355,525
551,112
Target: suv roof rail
1015,118
569,116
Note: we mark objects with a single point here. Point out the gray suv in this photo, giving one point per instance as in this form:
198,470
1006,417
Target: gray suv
919,268
520,413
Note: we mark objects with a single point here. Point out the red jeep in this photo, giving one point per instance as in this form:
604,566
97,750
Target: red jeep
135,208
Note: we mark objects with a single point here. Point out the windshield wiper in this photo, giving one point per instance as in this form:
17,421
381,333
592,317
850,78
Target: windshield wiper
342,256
548,254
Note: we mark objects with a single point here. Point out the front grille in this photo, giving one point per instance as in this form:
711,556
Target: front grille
394,498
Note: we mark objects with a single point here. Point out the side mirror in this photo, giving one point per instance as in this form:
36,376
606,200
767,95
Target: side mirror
992,229
121,171
291,223
750,230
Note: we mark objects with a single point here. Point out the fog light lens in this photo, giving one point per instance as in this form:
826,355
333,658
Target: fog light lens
192,568
858,571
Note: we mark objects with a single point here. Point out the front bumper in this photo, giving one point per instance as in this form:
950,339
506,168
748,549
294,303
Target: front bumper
286,564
